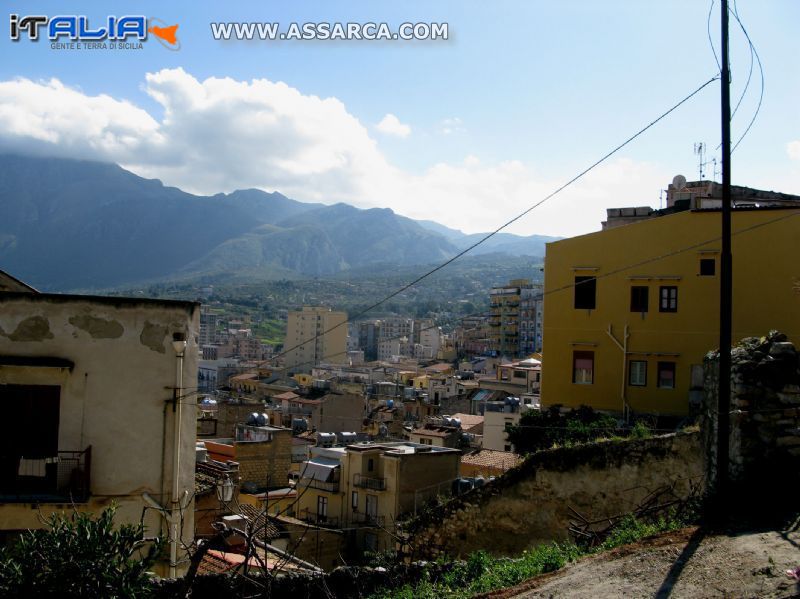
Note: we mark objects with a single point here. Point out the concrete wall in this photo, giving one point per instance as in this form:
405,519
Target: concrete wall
529,505
339,413
115,397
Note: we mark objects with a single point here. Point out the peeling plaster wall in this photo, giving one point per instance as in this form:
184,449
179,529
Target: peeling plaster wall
114,397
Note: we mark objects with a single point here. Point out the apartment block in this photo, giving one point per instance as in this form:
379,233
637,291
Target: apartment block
630,311
367,486
315,335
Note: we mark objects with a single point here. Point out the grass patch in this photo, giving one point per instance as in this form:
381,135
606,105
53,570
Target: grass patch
481,572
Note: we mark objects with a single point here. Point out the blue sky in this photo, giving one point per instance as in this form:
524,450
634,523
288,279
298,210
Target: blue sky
522,96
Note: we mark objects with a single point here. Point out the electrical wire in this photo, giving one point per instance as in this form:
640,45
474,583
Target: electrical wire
508,223
613,272
761,73
710,41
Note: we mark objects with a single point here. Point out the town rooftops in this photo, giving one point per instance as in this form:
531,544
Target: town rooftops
441,367
490,458
433,431
469,421
287,396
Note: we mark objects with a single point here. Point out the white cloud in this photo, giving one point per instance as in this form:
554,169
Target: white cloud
220,134
451,125
793,149
391,125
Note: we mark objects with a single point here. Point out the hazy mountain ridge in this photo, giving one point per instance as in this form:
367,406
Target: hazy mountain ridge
67,224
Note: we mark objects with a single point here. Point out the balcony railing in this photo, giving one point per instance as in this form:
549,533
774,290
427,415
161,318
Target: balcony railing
370,482
308,515
368,519
312,483
63,478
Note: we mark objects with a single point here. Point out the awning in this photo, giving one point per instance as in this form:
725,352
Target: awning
320,469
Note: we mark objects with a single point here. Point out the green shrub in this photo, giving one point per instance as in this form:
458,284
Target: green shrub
79,556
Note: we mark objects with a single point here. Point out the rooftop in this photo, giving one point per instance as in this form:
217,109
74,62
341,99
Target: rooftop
490,458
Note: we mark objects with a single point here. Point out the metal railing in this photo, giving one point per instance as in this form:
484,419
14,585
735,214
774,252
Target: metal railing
369,519
374,483
312,483
63,478
308,515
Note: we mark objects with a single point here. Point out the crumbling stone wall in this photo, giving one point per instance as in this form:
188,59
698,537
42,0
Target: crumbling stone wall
764,408
530,504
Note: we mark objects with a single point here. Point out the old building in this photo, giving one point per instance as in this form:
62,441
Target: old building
263,452
631,310
367,486
97,394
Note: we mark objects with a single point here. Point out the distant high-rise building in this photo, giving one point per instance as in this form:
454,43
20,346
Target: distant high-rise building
208,327
505,316
315,335
530,319
368,333
395,327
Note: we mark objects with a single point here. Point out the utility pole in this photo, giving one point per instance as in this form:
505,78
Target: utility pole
726,279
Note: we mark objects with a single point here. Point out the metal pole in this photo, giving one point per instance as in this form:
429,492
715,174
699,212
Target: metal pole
726,277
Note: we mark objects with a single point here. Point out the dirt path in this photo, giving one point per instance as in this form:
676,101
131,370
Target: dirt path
685,563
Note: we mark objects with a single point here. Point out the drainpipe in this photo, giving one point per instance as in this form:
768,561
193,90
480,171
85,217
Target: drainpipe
175,521
624,349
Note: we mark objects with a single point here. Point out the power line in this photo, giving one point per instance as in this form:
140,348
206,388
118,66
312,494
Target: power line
735,13
615,271
710,41
508,223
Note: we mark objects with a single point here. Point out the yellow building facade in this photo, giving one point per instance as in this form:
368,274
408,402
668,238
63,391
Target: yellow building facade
631,311
368,486
315,335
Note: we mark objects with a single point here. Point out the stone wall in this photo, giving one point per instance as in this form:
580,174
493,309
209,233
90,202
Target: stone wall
765,412
530,504
265,465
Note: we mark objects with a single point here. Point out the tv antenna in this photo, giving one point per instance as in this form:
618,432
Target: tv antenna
700,152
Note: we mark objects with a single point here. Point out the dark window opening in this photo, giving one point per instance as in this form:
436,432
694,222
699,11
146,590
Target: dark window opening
708,267
669,299
29,448
585,293
583,367
666,375
639,298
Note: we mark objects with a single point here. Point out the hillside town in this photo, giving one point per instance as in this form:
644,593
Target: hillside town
400,300
317,454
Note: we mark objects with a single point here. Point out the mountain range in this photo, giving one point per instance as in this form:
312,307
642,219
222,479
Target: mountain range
73,224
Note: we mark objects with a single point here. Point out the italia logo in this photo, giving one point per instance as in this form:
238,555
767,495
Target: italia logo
77,28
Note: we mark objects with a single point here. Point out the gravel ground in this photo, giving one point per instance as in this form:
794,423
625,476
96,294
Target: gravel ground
685,563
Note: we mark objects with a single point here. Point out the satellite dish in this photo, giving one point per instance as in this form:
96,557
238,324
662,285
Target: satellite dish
679,182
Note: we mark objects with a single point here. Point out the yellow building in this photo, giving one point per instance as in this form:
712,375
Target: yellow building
367,486
630,311
315,335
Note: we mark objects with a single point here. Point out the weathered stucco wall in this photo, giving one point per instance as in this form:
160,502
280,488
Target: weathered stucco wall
529,505
116,395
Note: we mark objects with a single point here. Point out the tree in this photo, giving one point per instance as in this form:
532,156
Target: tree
541,429
80,555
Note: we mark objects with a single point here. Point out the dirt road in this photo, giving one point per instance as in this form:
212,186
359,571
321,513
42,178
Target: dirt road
685,563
